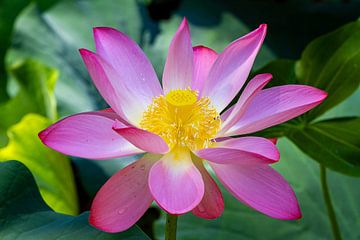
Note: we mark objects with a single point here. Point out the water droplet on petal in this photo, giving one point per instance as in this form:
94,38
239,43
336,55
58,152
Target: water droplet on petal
122,210
142,167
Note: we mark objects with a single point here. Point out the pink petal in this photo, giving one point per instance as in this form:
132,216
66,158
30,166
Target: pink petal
142,139
124,198
130,62
276,105
260,187
212,204
175,183
250,91
88,135
244,150
178,71
126,102
232,67
204,58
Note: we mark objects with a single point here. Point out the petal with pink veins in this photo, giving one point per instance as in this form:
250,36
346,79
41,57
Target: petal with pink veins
232,67
88,135
260,187
129,61
276,105
244,150
124,198
175,183
142,139
250,91
126,102
204,58
212,204
178,70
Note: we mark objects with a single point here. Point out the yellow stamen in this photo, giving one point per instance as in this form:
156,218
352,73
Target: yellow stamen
182,120
180,97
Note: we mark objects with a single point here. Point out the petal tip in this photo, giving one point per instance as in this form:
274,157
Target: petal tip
273,140
184,25
184,21
319,94
101,33
203,48
42,135
266,75
261,31
324,94
295,215
85,53
102,29
263,26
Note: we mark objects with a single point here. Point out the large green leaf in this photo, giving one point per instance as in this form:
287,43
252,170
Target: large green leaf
240,222
331,62
9,9
36,94
24,215
51,169
334,143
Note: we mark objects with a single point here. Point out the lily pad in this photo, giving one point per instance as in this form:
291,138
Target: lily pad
24,215
52,170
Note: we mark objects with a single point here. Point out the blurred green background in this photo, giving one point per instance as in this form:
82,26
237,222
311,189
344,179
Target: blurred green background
42,79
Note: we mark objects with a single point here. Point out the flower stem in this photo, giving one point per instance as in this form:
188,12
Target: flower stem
170,228
329,205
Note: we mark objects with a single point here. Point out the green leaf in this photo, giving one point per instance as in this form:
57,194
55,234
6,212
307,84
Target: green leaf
52,170
334,143
24,215
36,94
331,62
283,71
241,222
9,9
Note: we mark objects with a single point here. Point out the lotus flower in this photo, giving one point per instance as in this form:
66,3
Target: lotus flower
179,127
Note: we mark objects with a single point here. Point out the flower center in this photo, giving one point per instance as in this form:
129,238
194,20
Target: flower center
182,120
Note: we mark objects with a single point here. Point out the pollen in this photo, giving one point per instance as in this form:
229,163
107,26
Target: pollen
182,119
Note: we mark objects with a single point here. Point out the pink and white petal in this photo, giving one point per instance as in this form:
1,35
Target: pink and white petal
88,135
144,140
126,102
244,150
232,67
124,198
175,183
260,187
178,70
204,58
276,105
130,62
250,91
212,204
